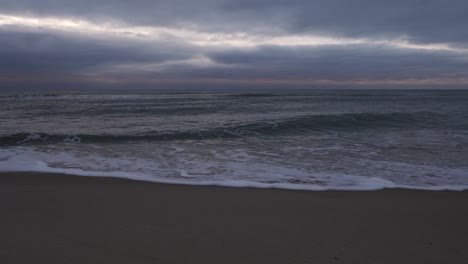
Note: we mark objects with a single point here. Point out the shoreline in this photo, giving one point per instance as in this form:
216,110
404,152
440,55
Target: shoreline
384,184
56,218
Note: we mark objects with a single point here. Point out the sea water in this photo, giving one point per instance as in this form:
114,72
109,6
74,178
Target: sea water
295,139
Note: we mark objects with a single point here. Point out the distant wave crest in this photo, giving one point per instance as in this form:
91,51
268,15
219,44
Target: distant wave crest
296,125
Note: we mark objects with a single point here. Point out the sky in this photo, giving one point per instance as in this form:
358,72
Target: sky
312,43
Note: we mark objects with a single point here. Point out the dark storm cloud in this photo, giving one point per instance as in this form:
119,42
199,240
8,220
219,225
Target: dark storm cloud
420,20
338,63
333,62
42,52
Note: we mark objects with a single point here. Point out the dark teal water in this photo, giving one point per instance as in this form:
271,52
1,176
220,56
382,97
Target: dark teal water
317,139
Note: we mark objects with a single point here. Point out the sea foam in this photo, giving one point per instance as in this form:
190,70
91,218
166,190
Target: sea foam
25,159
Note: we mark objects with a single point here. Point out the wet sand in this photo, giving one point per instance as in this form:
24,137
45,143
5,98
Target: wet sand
49,218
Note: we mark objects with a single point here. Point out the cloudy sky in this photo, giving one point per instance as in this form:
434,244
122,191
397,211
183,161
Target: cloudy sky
233,42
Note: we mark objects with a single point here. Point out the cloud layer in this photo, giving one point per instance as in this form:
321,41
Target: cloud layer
246,42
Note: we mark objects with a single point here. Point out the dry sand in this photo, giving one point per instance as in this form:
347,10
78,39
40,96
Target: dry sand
48,218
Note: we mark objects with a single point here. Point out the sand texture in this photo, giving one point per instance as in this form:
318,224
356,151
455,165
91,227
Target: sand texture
48,218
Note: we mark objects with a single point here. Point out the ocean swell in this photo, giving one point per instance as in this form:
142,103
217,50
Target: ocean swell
330,123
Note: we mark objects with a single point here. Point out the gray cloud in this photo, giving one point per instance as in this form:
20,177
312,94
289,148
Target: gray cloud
336,62
46,52
420,20
39,52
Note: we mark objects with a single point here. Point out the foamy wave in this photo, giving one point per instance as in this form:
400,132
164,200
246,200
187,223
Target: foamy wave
28,159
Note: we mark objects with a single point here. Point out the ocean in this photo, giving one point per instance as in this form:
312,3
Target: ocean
293,139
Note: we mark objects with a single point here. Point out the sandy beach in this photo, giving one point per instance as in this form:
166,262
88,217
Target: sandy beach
47,218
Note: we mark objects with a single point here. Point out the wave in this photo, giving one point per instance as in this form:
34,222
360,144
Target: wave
257,95
296,125
24,159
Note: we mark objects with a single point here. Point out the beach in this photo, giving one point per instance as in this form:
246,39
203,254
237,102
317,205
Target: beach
233,132
52,218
